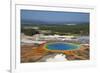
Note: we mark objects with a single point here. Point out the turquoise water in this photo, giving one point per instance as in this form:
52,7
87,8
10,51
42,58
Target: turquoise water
61,46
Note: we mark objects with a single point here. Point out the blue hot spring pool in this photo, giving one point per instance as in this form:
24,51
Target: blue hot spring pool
61,46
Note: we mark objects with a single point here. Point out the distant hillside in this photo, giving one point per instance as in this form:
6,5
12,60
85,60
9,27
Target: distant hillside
62,29
39,22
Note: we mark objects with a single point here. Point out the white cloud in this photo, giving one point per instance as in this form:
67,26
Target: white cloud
57,58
